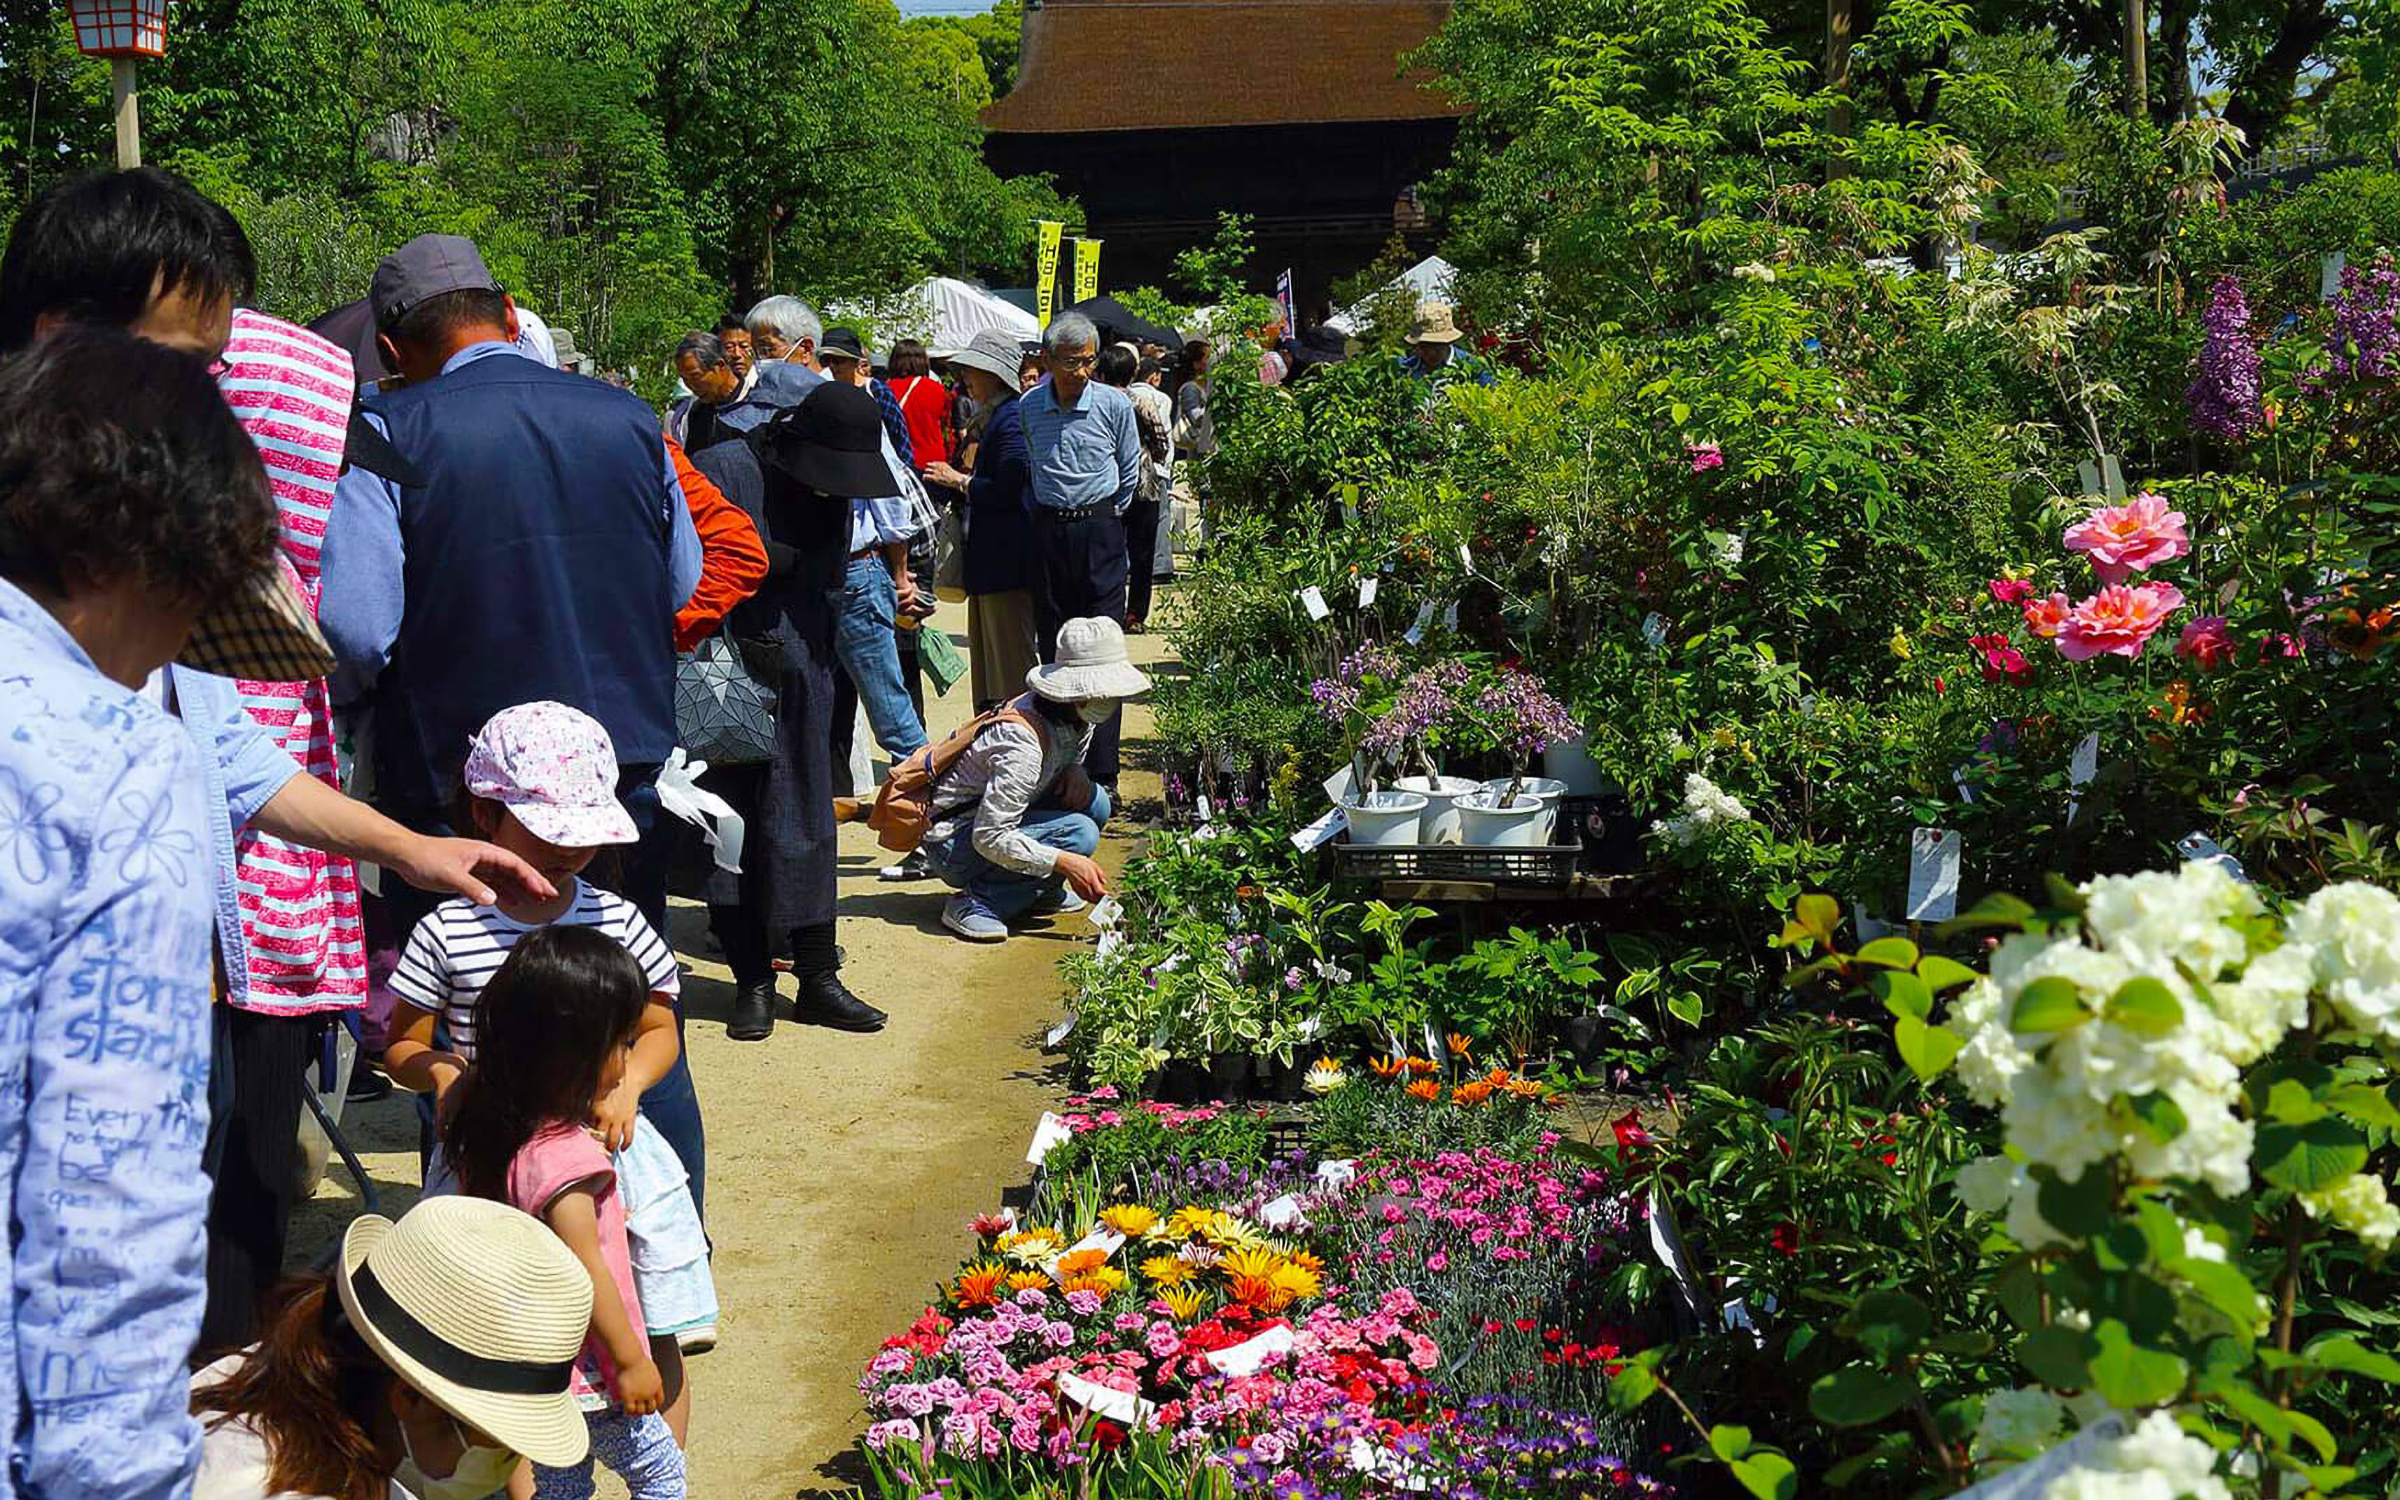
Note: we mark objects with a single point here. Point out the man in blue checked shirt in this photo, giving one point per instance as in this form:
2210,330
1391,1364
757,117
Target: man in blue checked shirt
1084,445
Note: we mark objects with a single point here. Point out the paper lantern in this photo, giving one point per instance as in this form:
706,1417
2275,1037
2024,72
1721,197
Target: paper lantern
120,28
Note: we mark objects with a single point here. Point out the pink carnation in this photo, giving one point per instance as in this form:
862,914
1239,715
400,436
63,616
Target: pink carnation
2125,539
2205,643
2117,621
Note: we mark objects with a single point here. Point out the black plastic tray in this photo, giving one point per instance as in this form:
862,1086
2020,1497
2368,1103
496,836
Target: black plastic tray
1544,864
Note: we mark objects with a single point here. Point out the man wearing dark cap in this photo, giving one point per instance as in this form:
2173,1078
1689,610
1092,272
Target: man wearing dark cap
538,549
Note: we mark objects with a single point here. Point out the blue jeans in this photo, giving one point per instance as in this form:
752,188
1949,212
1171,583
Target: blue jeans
1009,894
869,649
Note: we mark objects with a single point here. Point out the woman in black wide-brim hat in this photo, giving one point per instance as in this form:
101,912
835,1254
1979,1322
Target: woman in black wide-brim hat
812,461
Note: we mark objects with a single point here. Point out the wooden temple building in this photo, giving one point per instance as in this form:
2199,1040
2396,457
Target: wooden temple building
1160,114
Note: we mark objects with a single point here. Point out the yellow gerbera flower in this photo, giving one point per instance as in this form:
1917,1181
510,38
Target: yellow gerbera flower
1028,1281
1191,1222
1169,1270
1185,1302
1297,1281
1257,1261
1307,1261
1031,1247
1132,1220
978,1285
1227,1232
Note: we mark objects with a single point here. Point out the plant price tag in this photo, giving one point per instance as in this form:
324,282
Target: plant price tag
1416,632
1337,786
1366,590
2112,479
1450,616
2082,766
1338,1172
2329,275
1104,1401
1106,913
1933,874
1281,1213
1251,1355
1060,1032
1050,1132
1321,832
1312,599
2089,473
2200,847
1654,629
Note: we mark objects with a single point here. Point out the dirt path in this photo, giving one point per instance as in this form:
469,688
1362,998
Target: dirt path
842,1170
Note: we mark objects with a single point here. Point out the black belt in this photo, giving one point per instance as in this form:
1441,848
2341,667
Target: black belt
1080,512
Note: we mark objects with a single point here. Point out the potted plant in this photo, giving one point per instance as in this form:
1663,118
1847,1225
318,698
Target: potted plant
1427,708
1518,718
1356,697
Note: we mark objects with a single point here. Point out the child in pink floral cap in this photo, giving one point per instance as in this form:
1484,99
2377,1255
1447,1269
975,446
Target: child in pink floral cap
541,782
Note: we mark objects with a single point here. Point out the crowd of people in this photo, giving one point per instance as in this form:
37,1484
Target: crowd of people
339,698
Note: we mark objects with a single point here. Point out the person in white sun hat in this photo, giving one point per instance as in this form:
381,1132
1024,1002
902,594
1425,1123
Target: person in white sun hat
433,1356
1015,819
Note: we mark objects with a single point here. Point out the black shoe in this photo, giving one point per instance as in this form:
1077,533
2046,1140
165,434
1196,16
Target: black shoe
753,1018
826,1001
367,1085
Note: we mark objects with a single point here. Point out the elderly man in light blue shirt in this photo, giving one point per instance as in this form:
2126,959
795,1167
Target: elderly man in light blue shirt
1084,447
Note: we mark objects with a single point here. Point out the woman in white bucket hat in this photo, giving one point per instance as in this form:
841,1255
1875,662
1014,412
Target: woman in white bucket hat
430,1359
1015,820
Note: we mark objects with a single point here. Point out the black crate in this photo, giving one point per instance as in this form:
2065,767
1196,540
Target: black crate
1548,864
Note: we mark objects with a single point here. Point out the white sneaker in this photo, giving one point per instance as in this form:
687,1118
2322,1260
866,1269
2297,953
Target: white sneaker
973,920
697,1340
911,867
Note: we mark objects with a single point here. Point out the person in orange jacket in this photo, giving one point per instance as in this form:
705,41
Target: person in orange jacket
733,561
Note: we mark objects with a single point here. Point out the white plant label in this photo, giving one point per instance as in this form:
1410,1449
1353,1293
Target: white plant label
2329,275
1104,1401
1110,942
1050,1132
1450,616
1337,786
1869,928
1060,1032
2112,479
1312,599
1200,804
2199,846
2082,766
1338,1172
1933,874
1654,629
1466,558
1251,1355
1316,835
1416,631
1366,590
1106,912
2089,473
1281,1213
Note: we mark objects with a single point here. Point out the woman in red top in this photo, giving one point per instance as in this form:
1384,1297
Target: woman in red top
924,401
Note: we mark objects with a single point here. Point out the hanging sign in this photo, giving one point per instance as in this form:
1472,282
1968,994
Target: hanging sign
1045,279
1087,270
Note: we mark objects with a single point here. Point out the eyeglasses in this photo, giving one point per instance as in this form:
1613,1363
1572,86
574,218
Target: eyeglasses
1075,361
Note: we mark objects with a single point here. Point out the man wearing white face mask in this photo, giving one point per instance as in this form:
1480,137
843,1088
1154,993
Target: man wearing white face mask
434,1356
1015,819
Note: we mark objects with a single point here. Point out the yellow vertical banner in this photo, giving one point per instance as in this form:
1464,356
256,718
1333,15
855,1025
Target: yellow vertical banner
1046,268
1087,270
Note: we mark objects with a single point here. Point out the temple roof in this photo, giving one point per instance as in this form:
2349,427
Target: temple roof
1108,65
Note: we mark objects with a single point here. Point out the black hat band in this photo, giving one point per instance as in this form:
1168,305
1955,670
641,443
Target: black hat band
503,1377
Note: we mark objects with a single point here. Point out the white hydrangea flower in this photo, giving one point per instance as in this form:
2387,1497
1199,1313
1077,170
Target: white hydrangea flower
1984,1185
2019,1423
2159,919
2360,1204
2198,1246
2157,1460
1705,805
1990,1060
2028,1228
2271,997
2353,930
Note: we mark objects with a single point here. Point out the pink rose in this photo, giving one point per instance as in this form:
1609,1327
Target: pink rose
2009,590
2044,616
2129,538
2205,643
2117,621
1705,456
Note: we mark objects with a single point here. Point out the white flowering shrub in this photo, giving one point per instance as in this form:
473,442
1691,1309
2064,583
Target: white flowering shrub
2193,1092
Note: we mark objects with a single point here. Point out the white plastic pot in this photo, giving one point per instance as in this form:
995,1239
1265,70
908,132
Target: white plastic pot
1524,823
1385,818
1569,761
1439,792
1547,790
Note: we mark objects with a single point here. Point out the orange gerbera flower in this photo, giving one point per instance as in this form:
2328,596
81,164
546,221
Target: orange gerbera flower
978,1285
1028,1281
1458,1046
1426,1089
1471,1093
1106,1280
1262,1293
1307,1262
1080,1263
1496,1077
1388,1067
1423,1067
1524,1088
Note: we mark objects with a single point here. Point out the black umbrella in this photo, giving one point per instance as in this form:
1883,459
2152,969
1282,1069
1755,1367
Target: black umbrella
352,325
1117,324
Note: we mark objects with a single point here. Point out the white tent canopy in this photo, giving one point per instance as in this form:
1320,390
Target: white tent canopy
1429,279
943,311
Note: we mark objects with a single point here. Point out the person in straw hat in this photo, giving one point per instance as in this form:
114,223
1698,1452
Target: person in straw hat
1433,353
1016,819
431,1358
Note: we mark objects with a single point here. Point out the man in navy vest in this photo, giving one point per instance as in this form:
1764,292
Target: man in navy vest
542,554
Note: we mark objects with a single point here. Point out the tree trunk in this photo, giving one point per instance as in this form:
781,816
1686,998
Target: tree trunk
1838,15
2173,99
2137,59
2261,94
